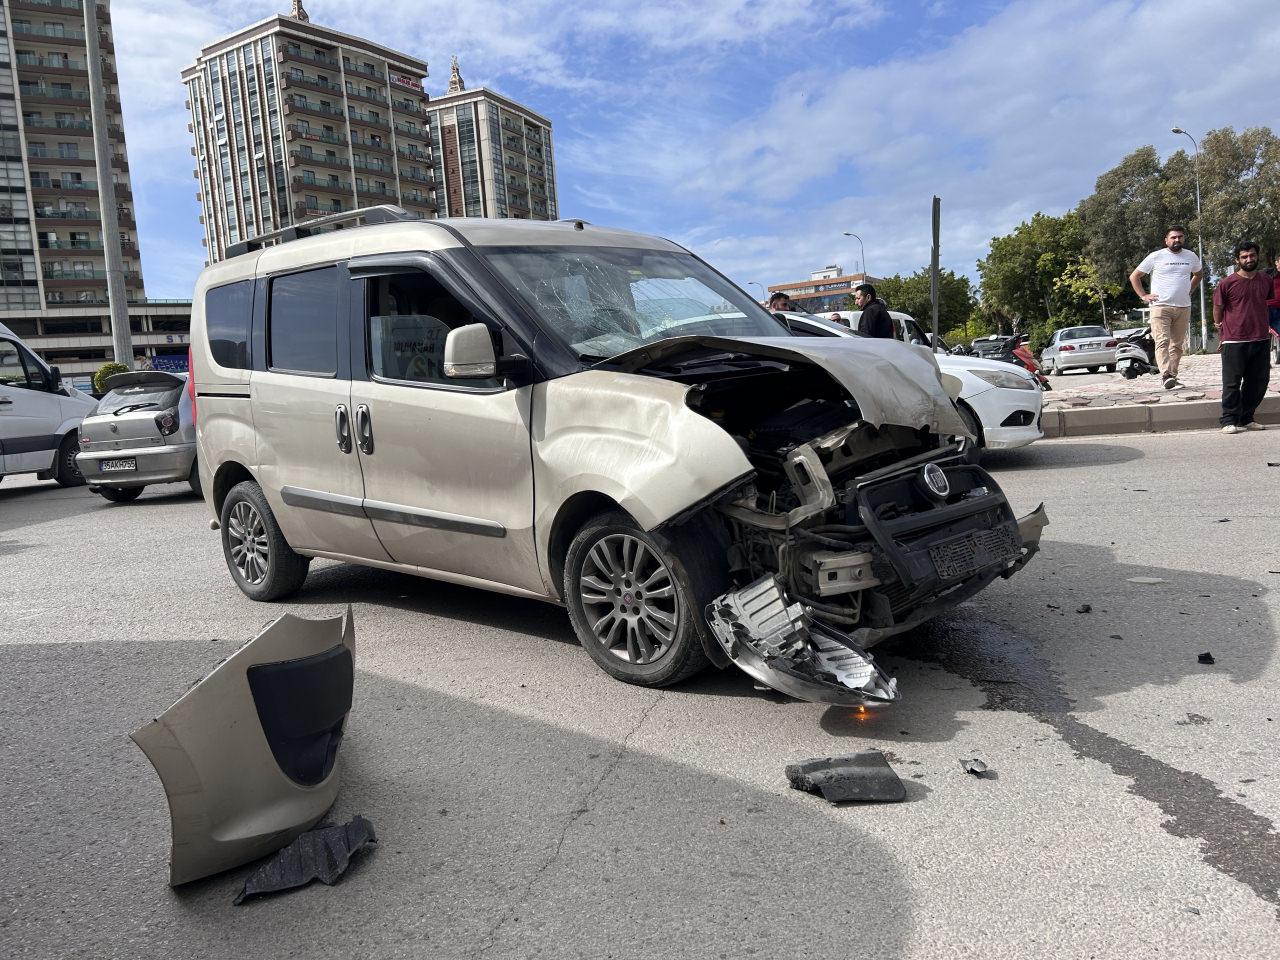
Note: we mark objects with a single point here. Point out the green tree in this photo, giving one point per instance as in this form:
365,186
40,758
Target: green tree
1126,216
110,368
1020,273
910,295
1083,280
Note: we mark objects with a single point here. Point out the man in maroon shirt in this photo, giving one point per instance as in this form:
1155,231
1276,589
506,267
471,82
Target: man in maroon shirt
1273,305
1240,314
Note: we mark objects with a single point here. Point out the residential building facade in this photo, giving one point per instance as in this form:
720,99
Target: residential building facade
826,289
495,156
293,120
54,244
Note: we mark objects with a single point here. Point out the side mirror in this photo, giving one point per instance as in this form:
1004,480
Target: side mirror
468,353
55,379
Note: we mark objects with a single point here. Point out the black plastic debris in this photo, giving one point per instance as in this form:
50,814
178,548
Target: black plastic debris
1084,608
321,854
865,776
1116,636
1272,464
977,768
1206,657
1224,520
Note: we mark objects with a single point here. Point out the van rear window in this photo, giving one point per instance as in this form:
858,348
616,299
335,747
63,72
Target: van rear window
302,330
227,314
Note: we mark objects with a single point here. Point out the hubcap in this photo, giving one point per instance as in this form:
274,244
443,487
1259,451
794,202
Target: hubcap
629,599
247,541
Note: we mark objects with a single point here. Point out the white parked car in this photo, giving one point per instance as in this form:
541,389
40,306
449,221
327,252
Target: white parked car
1000,402
39,415
1073,348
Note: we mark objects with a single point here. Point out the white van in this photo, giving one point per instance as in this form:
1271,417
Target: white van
39,415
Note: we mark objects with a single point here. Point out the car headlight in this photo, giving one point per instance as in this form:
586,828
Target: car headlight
1002,378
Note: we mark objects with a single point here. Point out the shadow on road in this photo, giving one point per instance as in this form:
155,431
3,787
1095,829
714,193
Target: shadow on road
495,830
1054,455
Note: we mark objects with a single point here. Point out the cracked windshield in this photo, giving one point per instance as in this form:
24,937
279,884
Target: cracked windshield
606,301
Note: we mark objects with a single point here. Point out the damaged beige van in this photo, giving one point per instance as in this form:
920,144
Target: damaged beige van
593,417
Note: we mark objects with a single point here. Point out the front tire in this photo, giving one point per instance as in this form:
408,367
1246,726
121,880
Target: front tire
119,494
65,471
971,449
1054,369
261,561
636,599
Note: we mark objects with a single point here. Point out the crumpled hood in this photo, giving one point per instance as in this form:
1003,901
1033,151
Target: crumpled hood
891,382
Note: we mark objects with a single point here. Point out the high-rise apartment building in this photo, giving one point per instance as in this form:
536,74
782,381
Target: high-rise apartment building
293,120
494,157
66,220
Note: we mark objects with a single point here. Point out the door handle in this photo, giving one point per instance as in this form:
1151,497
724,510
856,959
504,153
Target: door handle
364,430
342,427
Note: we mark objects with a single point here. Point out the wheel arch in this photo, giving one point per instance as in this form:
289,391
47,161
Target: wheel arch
569,519
227,476
964,404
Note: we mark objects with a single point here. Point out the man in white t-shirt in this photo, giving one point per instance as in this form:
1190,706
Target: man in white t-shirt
1175,274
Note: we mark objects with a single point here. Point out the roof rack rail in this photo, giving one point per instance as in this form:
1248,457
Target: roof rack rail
364,216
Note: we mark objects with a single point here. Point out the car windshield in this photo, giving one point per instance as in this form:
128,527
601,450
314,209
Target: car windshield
1084,333
140,396
603,301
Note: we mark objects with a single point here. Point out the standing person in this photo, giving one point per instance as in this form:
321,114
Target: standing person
779,301
1240,314
1175,274
875,320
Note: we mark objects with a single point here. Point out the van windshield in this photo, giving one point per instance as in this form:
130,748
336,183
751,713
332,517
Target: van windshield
603,301
140,396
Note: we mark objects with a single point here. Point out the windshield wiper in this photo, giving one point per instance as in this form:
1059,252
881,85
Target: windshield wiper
130,407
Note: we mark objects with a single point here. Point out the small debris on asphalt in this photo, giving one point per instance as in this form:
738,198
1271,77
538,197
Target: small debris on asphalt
1053,606
1116,636
864,776
321,854
1146,580
977,768
1193,910
1194,720
1206,657
1084,608
1271,464
1225,520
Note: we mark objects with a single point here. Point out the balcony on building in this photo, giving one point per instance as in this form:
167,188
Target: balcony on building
41,155
305,209
368,143
298,156
355,93
298,79
362,70
383,194
297,104
341,187
69,128
56,65
57,185
291,51
67,217
49,36
368,119
296,131
383,167
426,179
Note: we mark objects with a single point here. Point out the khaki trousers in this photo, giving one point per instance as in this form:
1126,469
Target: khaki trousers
1169,330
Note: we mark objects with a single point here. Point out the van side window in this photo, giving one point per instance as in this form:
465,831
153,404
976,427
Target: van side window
227,314
12,371
302,326
410,314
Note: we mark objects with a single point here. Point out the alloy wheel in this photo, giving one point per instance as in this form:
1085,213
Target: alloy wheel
247,541
629,599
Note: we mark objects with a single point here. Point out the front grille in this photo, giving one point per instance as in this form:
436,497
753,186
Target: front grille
964,555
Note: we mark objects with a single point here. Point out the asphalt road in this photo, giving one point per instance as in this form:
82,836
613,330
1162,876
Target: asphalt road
528,806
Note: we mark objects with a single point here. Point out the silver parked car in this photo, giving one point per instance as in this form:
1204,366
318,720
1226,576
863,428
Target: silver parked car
142,432
1075,347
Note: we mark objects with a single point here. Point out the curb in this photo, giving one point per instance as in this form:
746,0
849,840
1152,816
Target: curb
1145,418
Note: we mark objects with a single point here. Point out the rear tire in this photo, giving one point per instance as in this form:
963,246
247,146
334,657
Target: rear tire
65,471
119,494
260,560
652,640
1094,369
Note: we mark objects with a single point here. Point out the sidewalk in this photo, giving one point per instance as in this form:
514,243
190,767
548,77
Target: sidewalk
1108,403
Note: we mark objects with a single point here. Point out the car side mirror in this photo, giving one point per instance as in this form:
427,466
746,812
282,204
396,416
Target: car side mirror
55,379
468,353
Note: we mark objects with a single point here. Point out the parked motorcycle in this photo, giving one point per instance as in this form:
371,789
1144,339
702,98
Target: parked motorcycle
1010,350
1136,354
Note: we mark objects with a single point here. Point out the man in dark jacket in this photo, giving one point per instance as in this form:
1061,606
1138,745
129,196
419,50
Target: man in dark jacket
875,320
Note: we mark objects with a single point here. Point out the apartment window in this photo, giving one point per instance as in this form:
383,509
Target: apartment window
36,149
69,151
302,329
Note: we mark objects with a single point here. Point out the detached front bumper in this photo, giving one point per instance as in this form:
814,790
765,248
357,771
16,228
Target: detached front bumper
170,463
921,563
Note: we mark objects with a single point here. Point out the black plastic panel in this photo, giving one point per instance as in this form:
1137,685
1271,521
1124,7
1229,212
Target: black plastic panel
302,706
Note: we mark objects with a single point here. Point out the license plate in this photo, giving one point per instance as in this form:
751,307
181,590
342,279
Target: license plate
118,466
1090,346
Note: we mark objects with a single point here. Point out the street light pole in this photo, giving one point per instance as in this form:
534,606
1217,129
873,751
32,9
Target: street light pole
1204,323
862,250
757,283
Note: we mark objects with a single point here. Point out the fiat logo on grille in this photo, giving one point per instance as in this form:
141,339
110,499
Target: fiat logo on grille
935,481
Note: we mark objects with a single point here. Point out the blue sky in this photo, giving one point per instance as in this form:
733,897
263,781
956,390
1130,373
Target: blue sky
756,132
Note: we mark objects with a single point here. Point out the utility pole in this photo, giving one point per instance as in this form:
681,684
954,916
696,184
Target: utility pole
1204,323
117,298
933,269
